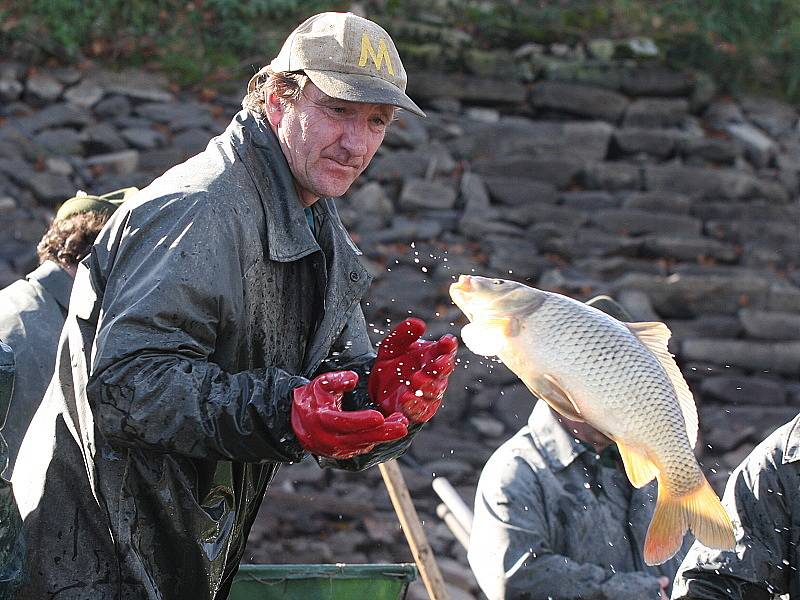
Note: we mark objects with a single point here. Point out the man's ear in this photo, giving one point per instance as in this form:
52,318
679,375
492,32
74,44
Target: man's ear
275,108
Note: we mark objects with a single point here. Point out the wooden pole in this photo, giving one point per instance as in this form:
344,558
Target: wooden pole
409,521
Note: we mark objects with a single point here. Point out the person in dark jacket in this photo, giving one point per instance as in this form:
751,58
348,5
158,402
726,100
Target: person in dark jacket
34,308
215,333
762,499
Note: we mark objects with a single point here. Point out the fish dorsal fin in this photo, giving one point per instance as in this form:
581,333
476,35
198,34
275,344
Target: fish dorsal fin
551,391
638,467
655,336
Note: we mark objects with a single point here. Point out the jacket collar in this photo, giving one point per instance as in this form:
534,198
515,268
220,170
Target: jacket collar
791,451
287,229
555,445
55,280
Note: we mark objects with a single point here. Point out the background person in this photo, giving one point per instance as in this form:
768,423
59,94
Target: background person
34,308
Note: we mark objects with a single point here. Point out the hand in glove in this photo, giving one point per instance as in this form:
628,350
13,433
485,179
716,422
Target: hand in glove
410,375
323,428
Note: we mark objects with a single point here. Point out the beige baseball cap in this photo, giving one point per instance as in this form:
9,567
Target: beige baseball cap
347,57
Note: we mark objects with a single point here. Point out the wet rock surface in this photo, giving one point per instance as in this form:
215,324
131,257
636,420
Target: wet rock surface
684,210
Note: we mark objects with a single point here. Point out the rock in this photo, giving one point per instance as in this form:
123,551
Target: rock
515,257
457,574
133,83
635,222
676,204
514,405
143,139
408,131
720,433
484,115
50,188
474,193
371,199
638,305
710,183
722,113
113,106
123,162
758,147
778,357
55,115
42,88
613,176
560,172
655,81
398,165
639,47
425,85
783,297
686,296
178,115
539,212
579,100
86,94
63,141
102,138
773,116
632,140
477,227
588,200
744,390
420,193
688,248
715,150
191,141
656,112
10,90
601,48
516,191
765,325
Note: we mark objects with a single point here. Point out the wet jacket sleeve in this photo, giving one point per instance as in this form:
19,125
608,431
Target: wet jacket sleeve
512,558
175,286
353,351
758,499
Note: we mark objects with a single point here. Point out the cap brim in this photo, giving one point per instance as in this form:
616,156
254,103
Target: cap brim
362,88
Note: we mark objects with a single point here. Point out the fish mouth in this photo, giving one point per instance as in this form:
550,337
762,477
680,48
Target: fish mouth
459,292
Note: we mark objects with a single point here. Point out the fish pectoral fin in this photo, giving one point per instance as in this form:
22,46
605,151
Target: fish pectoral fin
482,340
551,391
638,467
507,326
655,337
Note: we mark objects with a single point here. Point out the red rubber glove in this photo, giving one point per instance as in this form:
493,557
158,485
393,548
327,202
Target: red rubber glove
323,428
410,375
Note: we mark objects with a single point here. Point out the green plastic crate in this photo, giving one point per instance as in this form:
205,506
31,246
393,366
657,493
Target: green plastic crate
322,582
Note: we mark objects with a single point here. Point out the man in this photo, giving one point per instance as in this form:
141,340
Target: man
12,547
34,308
556,517
762,500
215,332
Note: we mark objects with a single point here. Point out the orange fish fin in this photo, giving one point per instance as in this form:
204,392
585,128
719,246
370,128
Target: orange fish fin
638,467
509,326
655,337
551,391
701,511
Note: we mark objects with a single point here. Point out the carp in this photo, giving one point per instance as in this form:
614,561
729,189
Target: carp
619,378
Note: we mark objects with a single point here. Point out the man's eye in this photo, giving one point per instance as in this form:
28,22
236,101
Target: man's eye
380,121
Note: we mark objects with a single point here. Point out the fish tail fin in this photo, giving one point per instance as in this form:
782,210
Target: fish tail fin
700,510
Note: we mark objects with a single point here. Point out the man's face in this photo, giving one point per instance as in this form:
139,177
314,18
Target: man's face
327,142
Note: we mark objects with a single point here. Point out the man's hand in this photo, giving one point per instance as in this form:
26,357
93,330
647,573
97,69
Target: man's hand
410,375
323,428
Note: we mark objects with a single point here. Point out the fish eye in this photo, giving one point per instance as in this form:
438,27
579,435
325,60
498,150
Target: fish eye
497,281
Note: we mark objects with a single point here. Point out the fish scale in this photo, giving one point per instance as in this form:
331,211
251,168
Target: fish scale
619,378
604,354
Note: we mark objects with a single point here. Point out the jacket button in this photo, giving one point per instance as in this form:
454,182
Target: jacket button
354,276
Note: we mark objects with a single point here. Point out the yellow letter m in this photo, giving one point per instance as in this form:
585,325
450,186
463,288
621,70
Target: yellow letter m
377,59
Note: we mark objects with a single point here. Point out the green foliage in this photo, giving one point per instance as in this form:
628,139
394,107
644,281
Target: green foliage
745,44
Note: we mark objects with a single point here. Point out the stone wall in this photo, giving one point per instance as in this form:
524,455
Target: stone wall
637,182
